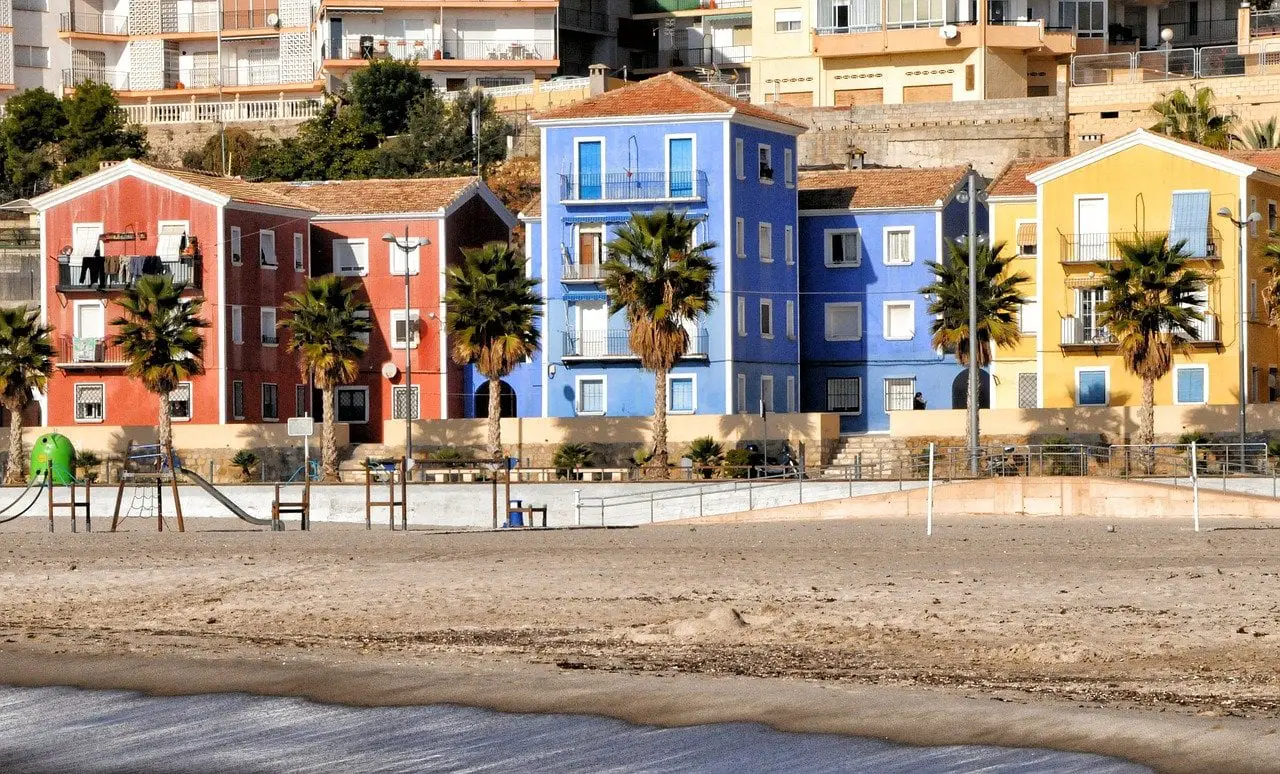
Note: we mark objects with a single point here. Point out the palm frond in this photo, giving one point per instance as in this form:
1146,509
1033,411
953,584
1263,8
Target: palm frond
159,333
493,308
26,355
999,300
327,324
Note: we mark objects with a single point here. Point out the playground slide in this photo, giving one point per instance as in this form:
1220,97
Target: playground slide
226,502
35,483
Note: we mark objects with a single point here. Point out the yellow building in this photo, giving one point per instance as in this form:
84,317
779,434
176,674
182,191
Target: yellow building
1077,209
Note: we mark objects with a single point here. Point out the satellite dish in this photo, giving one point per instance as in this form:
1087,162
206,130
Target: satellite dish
948,31
273,20
389,370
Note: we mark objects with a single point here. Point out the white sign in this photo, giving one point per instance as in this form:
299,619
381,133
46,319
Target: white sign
301,426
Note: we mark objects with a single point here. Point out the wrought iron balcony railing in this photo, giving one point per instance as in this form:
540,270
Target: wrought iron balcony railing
634,186
1101,247
88,352
597,344
75,275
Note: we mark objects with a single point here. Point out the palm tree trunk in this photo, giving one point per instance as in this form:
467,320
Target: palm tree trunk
164,430
328,437
660,460
1147,432
15,471
495,417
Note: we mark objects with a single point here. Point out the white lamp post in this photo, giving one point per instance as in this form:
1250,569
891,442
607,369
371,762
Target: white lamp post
1243,340
407,245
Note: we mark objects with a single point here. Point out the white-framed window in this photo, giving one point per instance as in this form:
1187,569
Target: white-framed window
899,393
237,399
843,246
1026,237
399,333
766,318
1028,390
299,253
791,395
353,405
739,159
682,393
741,397
351,257
765,168
788,245
237,324
1190,384
1093,387
1253,224
740,237
300,400
787,20
1253,299
91,402
237,245
588,168
766,243
170,238
843,321
400,406
788,168
90,321
590,395
899,320
1088,309
180,405
1029,318
270,402
396,259
899,245
791,319
363,314
844,394
742,315
267,320
30,56
267,248
766,393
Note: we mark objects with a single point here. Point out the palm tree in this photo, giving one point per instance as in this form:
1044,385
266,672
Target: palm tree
159,335
1193,117
1150,304
492,320
663,280
325,322
1261,135
998,301
26,360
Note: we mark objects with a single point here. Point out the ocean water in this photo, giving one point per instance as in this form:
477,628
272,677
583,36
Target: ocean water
63,730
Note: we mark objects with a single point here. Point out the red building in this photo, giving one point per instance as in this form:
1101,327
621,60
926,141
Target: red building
347,232
241,246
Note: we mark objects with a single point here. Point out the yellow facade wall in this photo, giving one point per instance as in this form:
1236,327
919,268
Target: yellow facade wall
1008,362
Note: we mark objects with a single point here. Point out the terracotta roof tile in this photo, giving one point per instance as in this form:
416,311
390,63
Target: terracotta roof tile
1012,180
1265,160
533,209
666,94
376,197
877,188
237,189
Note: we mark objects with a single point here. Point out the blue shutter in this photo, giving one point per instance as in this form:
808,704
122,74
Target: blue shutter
680,170
1189,224
682,395
590,179
1191,385
1092,388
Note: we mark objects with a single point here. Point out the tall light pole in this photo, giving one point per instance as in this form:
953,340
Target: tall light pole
1242,340
407,246
972,196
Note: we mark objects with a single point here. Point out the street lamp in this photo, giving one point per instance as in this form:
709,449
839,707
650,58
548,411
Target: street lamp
1243,341
971,196
407,245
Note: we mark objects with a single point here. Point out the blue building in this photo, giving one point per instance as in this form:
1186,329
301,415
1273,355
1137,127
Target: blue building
866,237
666,143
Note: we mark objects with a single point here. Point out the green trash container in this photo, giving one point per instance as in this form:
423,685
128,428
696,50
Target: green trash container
53,456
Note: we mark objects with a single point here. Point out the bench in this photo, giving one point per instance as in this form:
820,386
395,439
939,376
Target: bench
527,511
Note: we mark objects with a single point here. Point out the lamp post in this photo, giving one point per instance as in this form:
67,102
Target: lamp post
971,196
1242,340
407,246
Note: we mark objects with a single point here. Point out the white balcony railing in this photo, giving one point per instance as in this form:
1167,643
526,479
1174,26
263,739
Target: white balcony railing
581,272
424,48
116,79
227,111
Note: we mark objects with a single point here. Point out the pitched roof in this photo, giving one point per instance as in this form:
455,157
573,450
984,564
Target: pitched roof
877,188
666,94
233,187
533,209
376,197
1265,160
1012,180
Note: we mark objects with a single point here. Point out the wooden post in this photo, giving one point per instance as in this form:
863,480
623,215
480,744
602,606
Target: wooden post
368,496
88,506
177,503
404,494
73,503
49,477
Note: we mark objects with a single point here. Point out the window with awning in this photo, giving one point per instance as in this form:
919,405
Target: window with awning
1026,239
1189,223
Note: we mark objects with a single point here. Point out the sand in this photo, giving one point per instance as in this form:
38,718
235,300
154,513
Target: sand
1150,642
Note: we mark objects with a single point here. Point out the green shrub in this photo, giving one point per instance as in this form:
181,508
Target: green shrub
1196,437
245,460
447,454
705,453
737,463
640,457
569,457
86,464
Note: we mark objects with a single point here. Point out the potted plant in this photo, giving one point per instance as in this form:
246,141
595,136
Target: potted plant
245,460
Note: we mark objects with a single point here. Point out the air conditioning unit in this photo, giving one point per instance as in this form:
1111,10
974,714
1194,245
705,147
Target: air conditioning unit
948,31
273,20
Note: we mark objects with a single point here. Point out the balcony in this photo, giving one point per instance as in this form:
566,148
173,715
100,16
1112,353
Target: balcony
1105,247
1076,334
665,59
360,48
72,352
75,277
581,272
232,77
1264,24
580,19
254,19
116,79
634,186
616,345
700,7
94,24
188,23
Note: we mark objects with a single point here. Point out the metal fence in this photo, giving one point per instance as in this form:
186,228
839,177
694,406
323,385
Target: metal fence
1171,64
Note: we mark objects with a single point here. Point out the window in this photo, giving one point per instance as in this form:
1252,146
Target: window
351,257
843,247
899,246
1253,207
589,155
1026,237
899,320
299,260
591,252
270,403
590,396
396,259
180,403
353,405
237,325
845,395
267,318
267,248
237,257
766,162
739,161
1028,391
90,326
740,237
791,395
1273,383
766,243
1088,302
1253,299
30,56
680,167
1091,387
404,402
766,318
681,397
300,400
1190,384
899,393
788,168
766,393
1252,394
91,402
1271,216
791,319
786,20
1029,318
398,332
844,321
788,245
237,400
742,315
171,239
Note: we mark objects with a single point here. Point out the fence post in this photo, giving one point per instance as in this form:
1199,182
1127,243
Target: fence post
928,519
751,506
800,475
651,507
577,507
700,501
1195,488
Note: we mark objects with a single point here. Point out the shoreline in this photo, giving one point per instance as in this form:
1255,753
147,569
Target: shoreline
912,716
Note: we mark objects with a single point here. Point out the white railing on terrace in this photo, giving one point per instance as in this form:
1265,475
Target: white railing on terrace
516,89
1171,65
210,112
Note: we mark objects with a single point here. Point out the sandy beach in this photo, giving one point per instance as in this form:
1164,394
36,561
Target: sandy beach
1151,642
